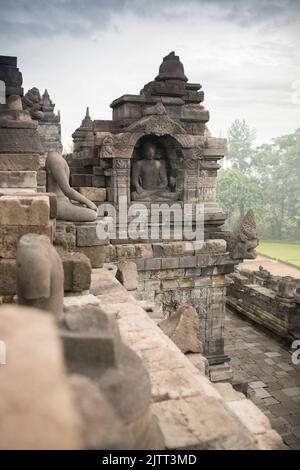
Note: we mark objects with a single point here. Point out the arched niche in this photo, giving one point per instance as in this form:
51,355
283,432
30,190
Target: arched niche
170,151
2,92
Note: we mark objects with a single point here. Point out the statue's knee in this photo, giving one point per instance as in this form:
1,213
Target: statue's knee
91,215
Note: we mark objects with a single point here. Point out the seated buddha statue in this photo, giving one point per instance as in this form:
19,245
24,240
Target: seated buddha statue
58,173
149,177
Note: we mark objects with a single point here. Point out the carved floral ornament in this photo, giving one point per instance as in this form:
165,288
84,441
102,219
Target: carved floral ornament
157,124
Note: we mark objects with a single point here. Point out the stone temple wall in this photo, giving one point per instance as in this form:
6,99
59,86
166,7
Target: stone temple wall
270,301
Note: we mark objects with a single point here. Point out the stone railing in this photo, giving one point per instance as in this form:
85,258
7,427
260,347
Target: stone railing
271,301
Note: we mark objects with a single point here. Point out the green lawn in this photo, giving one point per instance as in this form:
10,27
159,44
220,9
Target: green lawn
286,252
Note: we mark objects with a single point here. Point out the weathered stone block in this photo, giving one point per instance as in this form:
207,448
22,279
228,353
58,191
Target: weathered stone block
65,236
97,255
140,264
169,284
169,249
143,250
35,394
22,210
10,235
187,261
18,179
41,178
77,272
19,161
251,416
98,181
86,235
101,427
90,338
170,263
18,140
94,194
127,275
186,283
152,264
81,180
182,327
8,277
125,251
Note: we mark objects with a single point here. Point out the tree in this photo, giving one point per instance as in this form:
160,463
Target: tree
277,166
240,145
236,193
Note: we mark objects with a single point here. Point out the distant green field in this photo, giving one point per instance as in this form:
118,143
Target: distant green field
286,252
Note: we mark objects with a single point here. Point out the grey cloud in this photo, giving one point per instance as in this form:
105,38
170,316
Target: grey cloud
41,18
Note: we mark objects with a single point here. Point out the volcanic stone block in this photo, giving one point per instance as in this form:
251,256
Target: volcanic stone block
98,181
90,340
170,263
98,171
101,427
8,281
10,235
143,250
125,251
19,161
65,235
93,348
187,261
41,178
20,140
86,235
18,179
127,275
77,272
23,210
152,264
94,194
35,394
97,255
183,328
81,180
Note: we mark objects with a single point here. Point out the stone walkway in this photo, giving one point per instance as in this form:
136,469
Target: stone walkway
277,268
274,382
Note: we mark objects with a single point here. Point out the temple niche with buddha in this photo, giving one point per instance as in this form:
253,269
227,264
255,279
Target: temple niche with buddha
156,147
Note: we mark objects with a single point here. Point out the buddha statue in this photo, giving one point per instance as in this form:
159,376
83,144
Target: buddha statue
149,177
58,174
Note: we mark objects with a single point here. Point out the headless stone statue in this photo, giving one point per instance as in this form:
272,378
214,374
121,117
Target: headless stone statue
149,177
58,173
40,275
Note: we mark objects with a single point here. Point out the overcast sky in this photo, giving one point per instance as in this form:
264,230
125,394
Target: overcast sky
246,55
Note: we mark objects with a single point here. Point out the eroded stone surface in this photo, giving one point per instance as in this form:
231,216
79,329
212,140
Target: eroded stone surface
40,277
35,395
101,428
127,275
183,328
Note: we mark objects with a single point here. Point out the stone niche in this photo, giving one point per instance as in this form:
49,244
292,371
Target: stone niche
157,148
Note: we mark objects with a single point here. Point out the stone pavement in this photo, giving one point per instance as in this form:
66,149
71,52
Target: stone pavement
277,268
274,382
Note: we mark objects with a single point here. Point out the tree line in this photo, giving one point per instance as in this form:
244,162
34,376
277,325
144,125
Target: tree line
265,178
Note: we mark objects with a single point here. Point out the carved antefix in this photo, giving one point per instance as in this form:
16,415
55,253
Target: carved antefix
243,241
107,149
